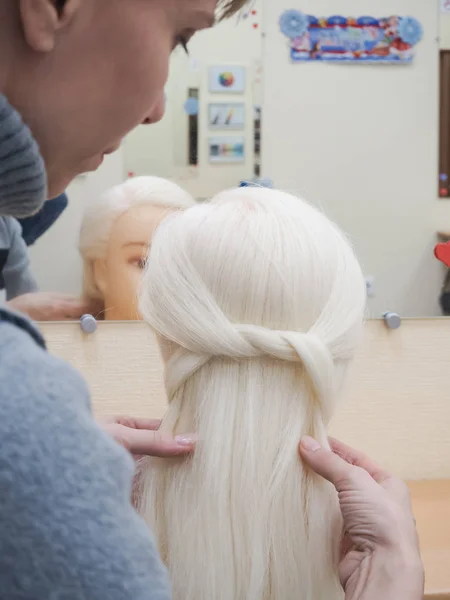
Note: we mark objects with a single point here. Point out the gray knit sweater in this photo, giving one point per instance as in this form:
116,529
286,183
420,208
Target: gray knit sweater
67,527
23,184
15,274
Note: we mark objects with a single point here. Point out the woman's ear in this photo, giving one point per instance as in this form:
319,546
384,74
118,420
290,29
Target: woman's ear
99,270
41,21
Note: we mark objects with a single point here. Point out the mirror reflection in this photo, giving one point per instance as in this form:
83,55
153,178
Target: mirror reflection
114,241
368,143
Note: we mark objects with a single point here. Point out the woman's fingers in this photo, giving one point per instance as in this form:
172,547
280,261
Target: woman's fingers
343,464
325,463
137,423
148,442
358,459
142,437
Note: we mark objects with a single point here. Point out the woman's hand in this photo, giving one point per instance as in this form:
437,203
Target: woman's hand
141,437
380,551
49,306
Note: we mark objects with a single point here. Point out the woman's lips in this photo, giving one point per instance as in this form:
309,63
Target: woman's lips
112,149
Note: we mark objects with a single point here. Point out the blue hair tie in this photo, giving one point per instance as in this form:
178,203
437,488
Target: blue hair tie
264,183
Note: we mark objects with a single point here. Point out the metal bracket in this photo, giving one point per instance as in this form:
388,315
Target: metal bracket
88,324
392,320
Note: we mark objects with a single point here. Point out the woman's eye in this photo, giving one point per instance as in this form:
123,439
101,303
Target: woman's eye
140,263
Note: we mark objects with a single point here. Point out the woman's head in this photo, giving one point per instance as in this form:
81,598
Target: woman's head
115,236
260,258
95,69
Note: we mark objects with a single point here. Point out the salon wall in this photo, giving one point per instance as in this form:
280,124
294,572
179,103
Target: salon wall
362,142
54,258
230,43
444,32
164,146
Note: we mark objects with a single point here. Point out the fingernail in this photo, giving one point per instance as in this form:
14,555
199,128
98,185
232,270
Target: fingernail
309,444
186,440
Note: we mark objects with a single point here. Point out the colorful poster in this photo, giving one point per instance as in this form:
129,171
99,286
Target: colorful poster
227,116
341,39
445,7
226,149
227,80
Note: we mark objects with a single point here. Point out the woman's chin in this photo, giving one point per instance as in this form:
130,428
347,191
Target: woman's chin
94,163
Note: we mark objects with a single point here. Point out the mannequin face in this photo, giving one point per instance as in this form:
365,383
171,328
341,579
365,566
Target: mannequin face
119,275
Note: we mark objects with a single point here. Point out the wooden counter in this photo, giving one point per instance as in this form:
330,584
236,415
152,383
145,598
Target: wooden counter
431,506
397,392
397,395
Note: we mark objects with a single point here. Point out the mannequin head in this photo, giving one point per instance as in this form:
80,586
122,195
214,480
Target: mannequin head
258,301
115,237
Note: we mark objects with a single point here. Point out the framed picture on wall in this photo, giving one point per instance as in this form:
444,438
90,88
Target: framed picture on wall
226,80
445,7
226,149
227,116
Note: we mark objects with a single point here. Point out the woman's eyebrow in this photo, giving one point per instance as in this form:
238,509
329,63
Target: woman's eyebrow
128,244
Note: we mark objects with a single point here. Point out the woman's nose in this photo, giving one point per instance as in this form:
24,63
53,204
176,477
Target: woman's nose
157,112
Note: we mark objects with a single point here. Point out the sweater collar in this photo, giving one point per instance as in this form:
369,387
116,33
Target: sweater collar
23,180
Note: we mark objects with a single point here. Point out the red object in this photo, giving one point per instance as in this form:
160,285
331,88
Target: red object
397,43
255,25
443,192
442,253
253,12
130,174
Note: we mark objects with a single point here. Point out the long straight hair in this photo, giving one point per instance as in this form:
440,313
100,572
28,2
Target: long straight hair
258,302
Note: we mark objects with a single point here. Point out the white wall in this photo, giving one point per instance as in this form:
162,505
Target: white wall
54,258
162,148
362,142
444,31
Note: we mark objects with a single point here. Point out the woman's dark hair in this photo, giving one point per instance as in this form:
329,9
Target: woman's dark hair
59,4
226,7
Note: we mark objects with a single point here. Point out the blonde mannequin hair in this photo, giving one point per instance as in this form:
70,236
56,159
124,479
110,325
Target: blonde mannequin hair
258,302
101,214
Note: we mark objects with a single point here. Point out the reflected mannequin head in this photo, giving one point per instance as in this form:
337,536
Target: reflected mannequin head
115,236
95,70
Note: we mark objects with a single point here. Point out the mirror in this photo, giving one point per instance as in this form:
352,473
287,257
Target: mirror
356,133
206,140
369,143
